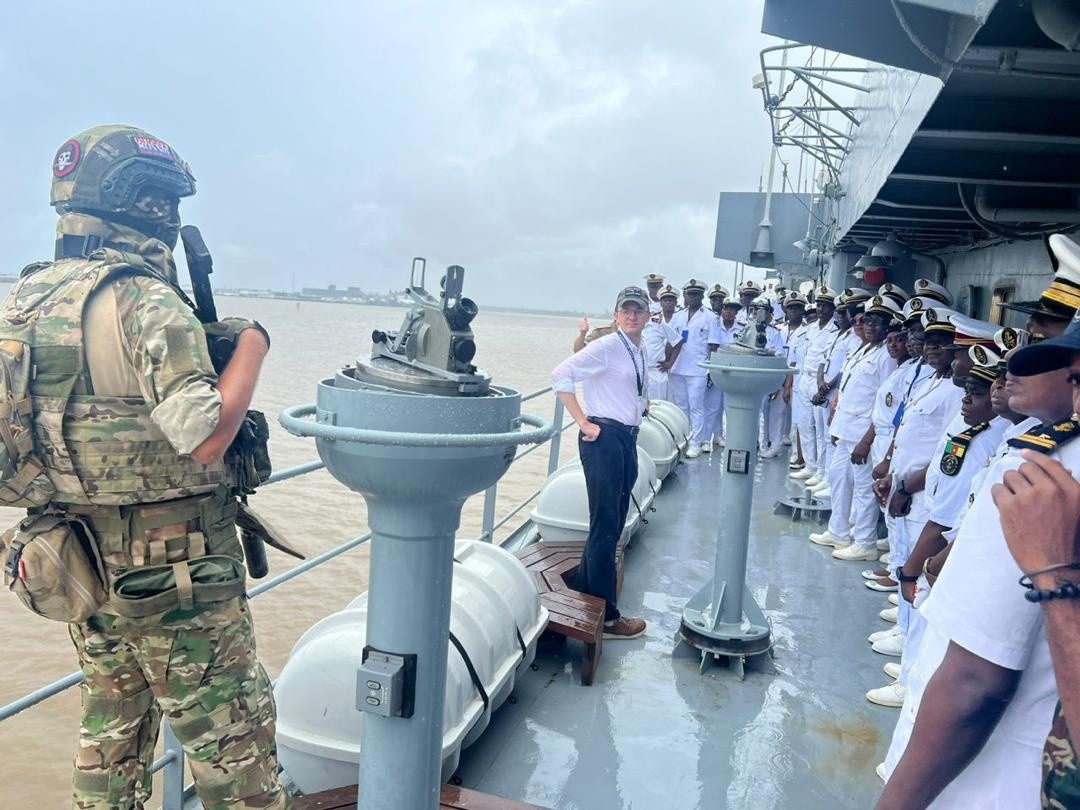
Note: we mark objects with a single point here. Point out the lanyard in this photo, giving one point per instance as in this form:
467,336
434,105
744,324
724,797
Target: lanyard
640,382
898,417
858,357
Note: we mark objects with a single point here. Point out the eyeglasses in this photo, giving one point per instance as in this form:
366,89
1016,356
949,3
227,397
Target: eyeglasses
631,311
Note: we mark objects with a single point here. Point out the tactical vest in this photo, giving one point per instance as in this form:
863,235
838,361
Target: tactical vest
96,450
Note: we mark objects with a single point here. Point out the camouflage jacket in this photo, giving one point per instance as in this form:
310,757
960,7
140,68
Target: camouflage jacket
1061,773
124,385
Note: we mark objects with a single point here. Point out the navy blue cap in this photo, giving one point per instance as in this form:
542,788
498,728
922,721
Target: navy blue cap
1047,355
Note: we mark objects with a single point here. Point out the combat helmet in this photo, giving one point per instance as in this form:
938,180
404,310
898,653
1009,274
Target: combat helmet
105,171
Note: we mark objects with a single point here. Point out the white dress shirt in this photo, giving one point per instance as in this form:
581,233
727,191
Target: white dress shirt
694,330
868,370
609,374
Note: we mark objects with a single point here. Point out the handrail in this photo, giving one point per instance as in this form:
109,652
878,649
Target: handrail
540,434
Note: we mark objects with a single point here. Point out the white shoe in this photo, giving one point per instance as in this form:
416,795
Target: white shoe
891,695
894,646
827,538
885,558
721,442
812,481
890,614
787,441
892,669
894,600
874,585
823,493
820,485
693,451
880,771
772,452
870,573
706,447
801,475
881,634
854,552
883,544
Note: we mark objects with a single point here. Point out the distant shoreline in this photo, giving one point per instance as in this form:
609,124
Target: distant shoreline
387,303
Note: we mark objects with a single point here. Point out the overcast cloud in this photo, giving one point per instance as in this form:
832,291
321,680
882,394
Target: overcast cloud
556,151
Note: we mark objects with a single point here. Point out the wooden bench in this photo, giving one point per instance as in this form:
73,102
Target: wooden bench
572,614
451,798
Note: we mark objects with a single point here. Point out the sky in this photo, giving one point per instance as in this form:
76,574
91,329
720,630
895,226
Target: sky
555,150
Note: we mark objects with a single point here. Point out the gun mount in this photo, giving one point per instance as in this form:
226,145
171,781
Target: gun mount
432,352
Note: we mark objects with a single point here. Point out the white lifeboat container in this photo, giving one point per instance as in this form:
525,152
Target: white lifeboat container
669,414
656,440
562,510
497,617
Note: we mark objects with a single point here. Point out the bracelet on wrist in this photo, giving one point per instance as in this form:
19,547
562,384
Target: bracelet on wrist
1027,580
1069,590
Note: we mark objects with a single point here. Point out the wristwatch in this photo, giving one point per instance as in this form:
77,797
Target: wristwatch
901,577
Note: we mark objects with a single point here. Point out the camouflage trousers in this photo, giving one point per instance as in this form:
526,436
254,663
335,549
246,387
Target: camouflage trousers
1061,771
198,668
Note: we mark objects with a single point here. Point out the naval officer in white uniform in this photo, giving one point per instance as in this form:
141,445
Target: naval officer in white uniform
687,379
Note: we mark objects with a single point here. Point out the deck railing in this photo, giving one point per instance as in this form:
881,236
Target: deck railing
171,763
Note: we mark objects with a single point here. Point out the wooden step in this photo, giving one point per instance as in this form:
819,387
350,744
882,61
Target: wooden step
451,798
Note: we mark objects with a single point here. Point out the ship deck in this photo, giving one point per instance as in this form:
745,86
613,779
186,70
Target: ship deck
654,732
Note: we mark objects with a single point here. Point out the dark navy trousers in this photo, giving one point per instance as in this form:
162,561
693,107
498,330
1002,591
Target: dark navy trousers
610,465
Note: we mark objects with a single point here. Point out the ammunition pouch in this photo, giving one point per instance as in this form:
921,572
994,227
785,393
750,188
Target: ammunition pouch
52,563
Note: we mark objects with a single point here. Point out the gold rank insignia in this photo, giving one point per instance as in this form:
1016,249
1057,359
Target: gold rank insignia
1047,438
888,400
980,355
1008,338
931,316
916,304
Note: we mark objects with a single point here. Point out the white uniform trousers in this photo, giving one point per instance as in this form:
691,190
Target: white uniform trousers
714,414
825,446
908,529
854,509
772,420
803,416
688,392
916,630
658,384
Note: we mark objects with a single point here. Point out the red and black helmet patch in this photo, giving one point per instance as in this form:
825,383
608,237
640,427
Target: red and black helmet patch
153,147
67,158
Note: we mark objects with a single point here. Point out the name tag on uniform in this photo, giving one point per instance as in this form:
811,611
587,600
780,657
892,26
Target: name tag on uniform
685,334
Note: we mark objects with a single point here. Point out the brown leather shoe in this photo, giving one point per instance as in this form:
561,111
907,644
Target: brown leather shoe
624,628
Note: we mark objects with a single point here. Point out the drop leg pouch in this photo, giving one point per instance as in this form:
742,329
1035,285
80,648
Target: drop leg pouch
53,565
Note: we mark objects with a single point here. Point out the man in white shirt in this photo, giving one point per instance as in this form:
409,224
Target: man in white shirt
654,282
614,374
794,311
687,379
659,339
747,292
854,509
772,411
821,334
714,397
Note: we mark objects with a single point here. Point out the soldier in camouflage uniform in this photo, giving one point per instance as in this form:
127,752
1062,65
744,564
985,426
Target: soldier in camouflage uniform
131,423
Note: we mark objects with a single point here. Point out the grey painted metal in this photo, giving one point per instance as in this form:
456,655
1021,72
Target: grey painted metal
488,525
172,762
294,472
651,732
403,453
38,695
722,619
556,437
293,420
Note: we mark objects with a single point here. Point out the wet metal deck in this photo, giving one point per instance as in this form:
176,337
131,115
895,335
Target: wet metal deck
651,733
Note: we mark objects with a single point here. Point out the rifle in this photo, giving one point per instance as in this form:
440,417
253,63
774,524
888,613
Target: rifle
200,265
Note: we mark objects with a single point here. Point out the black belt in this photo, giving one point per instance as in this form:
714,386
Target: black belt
603,420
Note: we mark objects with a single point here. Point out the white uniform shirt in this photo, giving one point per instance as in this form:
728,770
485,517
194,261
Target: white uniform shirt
694,330
722,335
947,495
774,340
798,341
977,604
654,307
932,404
866,373
814,356
888,398
842,348
655,337
609,375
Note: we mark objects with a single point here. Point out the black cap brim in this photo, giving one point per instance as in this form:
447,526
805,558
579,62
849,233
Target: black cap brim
1045,356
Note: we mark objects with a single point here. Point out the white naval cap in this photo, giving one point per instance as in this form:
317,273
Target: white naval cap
926,288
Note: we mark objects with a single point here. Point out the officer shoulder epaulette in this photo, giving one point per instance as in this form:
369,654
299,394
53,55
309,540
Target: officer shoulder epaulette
1047,438
956,448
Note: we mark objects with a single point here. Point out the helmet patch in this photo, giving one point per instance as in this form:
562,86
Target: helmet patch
67,158
152,147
